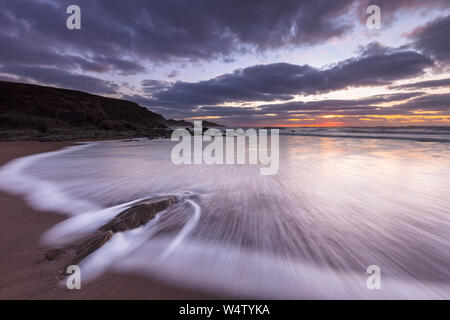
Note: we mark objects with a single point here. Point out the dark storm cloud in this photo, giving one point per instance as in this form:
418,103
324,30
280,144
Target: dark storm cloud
122,36
153,86
36,46
173,74
437,102
167,112
390,8
433,39
61,78
281,81
18,51
425,84
29,52
161,30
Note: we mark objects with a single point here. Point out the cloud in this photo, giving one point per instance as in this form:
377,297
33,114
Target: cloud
433,39
33,33
368,105
61,78
390,8
162,31
438,102
173,74
425,84
328,105
282,81
154,86
418,104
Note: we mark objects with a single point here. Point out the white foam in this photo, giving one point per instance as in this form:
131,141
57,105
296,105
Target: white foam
41,194
327,203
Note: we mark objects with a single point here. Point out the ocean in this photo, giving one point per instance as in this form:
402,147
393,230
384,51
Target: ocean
343,199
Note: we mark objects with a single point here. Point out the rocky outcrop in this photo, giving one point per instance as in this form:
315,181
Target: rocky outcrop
131,218
45,111
139,214
32,112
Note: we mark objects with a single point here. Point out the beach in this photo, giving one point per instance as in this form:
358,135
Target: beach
26,274
308,232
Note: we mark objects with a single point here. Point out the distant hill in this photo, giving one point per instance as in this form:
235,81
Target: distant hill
210,124
178,123
38,111
184,123
34,112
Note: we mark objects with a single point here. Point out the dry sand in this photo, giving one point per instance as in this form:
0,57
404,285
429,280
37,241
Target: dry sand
25,274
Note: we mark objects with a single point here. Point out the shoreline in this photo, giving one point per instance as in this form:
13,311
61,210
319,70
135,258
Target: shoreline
26,274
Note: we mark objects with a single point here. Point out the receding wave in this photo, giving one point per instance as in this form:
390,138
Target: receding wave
334,208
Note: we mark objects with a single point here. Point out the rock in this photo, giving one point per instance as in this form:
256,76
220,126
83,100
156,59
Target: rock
90,245
137,215
53,254
44,109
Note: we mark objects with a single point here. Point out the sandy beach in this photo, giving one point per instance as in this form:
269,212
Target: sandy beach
273,238
26,274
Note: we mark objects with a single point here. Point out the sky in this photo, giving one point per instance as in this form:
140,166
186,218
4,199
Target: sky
241,62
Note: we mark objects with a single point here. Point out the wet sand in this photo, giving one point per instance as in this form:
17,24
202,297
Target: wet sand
26,274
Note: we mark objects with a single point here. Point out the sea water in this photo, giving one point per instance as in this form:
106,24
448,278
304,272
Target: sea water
342,200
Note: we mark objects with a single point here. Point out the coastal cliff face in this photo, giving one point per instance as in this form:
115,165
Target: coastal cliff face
44,113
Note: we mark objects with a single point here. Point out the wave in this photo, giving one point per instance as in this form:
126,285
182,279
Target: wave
430,134
247,235
39,193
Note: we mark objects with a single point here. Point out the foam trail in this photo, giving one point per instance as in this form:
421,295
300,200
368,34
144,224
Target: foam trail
335,207
83,224
39,193
125,243
245,273
187,229
117,248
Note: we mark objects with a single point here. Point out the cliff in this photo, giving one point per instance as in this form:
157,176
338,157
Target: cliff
32,111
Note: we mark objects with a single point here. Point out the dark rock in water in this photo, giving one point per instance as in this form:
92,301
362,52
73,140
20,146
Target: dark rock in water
137,215
90,245
53,254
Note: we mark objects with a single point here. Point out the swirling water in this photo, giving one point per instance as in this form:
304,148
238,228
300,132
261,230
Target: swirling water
336,206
